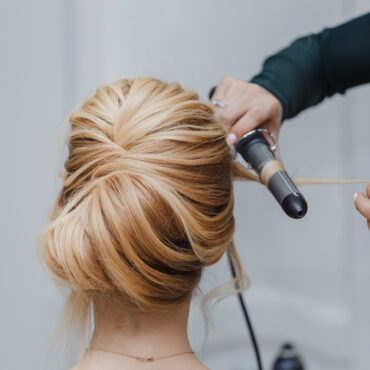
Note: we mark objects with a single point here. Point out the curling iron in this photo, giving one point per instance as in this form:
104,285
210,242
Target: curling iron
258,153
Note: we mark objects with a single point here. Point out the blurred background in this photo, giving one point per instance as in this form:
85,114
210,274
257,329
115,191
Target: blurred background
310,278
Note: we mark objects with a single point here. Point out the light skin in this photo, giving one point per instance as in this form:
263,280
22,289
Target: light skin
143,335
362,204
250,106
140,335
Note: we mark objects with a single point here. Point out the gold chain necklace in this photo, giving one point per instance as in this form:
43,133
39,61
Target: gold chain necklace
142,358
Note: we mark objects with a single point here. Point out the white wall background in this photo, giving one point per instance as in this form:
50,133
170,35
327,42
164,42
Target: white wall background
310,278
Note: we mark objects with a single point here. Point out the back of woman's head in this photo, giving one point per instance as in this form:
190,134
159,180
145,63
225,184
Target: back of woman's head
147,197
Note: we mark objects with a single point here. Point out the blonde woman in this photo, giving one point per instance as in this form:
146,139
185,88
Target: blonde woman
146,204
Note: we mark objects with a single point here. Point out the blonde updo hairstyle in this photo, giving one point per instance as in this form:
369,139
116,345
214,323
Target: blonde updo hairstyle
147,199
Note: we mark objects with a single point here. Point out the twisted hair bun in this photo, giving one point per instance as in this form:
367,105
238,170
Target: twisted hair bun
147,196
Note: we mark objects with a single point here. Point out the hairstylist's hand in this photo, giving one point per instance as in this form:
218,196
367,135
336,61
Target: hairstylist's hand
249,106
362,204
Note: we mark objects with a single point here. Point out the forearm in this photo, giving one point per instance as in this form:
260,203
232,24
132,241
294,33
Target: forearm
319,65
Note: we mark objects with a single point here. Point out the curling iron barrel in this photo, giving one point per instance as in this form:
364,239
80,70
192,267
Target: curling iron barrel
255,150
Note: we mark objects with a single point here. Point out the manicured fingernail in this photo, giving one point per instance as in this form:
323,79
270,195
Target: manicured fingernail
355,195
231,138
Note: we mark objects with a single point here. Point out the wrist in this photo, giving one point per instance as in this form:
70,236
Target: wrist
266,84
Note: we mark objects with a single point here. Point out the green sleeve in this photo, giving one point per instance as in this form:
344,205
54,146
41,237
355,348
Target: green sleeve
318,65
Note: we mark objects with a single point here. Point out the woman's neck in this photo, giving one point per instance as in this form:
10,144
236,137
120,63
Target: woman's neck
141,334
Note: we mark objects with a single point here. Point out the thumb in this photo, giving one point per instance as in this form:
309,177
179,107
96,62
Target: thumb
362,204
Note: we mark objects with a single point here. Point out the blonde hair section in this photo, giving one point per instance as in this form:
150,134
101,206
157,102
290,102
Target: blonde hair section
147,200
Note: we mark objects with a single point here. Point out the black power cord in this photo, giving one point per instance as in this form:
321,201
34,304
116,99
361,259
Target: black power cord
241,299
246,316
